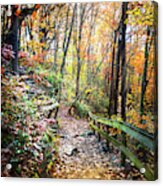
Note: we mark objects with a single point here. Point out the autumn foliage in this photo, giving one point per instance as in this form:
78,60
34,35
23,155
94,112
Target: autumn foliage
62,64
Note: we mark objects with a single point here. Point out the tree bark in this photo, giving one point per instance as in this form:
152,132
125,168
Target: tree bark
111,97
14,39
56,43
94,13
124,74
144,77
117,76
78,46
65,49
66,44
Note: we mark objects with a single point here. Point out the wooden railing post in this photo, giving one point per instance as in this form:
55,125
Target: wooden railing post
94,123
98,134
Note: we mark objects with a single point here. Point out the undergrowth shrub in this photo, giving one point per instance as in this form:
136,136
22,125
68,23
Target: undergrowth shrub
81,109
98,101
29,142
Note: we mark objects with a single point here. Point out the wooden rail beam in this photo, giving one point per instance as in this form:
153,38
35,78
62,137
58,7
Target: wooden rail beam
138,164
144,140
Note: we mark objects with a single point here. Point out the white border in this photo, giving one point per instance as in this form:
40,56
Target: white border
55,1
61,182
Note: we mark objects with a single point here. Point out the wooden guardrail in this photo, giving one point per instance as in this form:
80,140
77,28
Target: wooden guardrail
144,138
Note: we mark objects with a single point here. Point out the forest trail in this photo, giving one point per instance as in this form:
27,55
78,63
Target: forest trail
102,59
80,152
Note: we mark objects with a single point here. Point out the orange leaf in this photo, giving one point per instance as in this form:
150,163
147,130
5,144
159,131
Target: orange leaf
2,70
34,14
18,11
37,6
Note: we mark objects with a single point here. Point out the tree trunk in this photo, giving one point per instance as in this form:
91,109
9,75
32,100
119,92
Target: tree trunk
65,49
19,35
124,73
66,44
144,77
117,76
78,45
3,25
78,62
111,97
78,73
14,40
30,28
56,43
94,13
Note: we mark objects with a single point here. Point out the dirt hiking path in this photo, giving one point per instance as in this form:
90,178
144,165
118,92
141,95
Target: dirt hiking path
80,152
